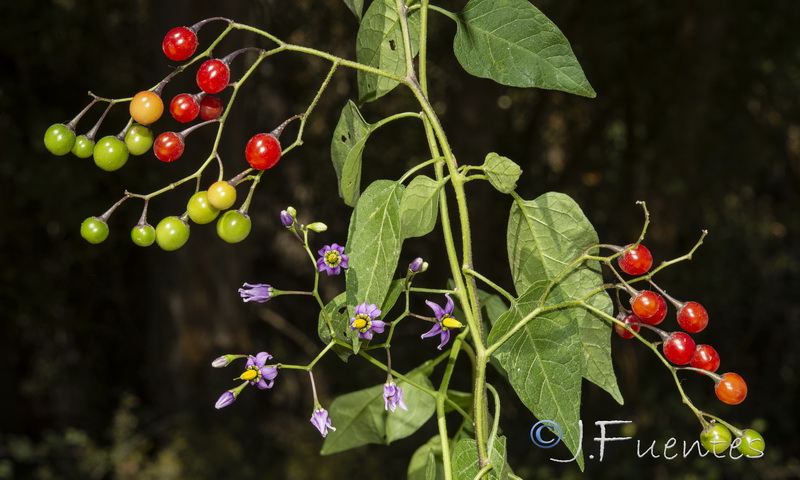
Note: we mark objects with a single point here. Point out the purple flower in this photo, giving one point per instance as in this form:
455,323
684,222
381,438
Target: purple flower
416,265
332,259
287,220
444,321
365,322
320,420
225,399
257,374
393,397
259,292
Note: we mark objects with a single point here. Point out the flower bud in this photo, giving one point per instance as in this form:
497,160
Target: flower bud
318,227
287,219
416,265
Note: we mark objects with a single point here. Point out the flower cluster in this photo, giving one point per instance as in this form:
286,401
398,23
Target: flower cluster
256,372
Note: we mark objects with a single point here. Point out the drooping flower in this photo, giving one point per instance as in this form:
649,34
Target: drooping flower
259,292
321,420
332,259
393,397
257,374
365,322
444,321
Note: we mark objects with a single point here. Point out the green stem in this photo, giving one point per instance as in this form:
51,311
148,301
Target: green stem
485,280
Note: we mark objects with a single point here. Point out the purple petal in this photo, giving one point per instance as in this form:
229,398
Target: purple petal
269,373
365,335
373,311
321,251
337,247
251,361
436,330
437,310
261,358
343,263
445,336
448,309
362,309
321,266
224,400
378,326
262,384
334,270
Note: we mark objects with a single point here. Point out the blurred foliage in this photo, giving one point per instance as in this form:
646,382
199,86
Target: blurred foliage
106,349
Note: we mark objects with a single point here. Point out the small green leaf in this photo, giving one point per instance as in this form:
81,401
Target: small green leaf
360,417
502,172
373,244
426,462
513,43
347,146
465,460
379,44
419,207
355,6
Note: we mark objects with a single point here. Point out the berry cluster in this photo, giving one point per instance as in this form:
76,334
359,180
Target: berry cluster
649,308
111,152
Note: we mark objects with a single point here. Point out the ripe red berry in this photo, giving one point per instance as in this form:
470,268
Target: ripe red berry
168,147
184,107
630,319
210,107
213,76
650,307
679,348
179,44
692,317
705,357
731,389
636,261
263,151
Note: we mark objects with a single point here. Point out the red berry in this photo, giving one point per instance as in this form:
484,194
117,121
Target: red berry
650,307
679,348
692,317
630,319
168,147
213,76
636,261
731,389
705,357
184,108
263,151
210,107
179,44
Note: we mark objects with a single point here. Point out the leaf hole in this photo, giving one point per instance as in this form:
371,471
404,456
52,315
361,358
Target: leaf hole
344,138
392,45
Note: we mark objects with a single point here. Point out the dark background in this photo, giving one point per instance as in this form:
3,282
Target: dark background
106,350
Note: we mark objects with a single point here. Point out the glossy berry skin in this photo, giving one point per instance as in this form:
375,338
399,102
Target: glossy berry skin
221,195
262,151
199,210
752,443
146,107
692,317
184,108
731,389
139,139
679,348
211,107
650,307
705,357
110,153
83,147
172,233
59,139
630,319
716,438
168,147
234,226
94,230
636,261
143,235
179,44
213,76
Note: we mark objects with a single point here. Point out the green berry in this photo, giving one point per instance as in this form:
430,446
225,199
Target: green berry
143,235
94,230
200,211
59,139
139,139
716,438
234,226
84,147
110,153
172,233
752,443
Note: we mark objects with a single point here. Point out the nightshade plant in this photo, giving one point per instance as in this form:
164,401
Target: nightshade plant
544,335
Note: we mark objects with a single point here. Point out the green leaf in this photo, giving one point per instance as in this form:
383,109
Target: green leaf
336,310
426,462
355,6
543,361
379,44
493,306
347,146
513,43
360,417
395,289
462,399
465,460
502,172
595,337
419,207
373,244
